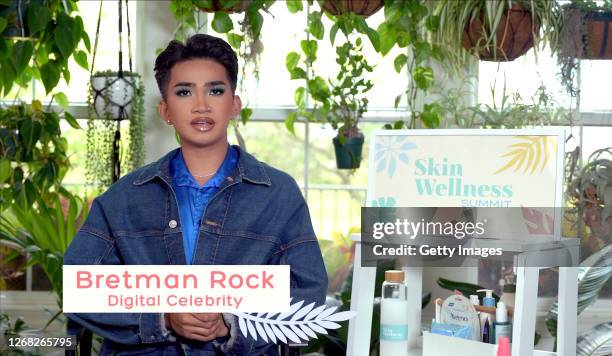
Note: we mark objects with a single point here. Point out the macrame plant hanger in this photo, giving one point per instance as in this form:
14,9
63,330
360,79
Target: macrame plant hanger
122,112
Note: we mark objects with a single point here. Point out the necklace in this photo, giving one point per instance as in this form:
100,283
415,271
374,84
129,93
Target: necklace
204,175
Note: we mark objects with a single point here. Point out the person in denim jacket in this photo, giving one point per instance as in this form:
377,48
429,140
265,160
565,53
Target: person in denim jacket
206,202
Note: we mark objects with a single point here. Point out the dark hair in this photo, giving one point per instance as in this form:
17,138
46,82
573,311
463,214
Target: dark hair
197,46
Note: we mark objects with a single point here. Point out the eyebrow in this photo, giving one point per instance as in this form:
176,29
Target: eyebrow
207,84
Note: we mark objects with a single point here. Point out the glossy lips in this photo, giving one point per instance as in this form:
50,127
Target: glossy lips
203,124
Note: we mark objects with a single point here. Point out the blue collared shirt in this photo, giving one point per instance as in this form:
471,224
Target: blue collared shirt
193,198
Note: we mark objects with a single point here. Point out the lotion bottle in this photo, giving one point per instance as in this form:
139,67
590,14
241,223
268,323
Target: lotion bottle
394,315
488,301
503,328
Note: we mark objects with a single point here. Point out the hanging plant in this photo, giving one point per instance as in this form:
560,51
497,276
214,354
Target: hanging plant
496,30
584,35
112,97
37,40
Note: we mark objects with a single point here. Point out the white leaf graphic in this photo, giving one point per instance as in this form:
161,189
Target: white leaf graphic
300,313
326,313
261,331
242,325
308,331
345,315
298,332
251,329
290,334
317,328
315,312
270,333
278,333
304,324
292,310
328,324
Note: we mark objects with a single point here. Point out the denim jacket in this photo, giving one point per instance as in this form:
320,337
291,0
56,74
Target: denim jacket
258,216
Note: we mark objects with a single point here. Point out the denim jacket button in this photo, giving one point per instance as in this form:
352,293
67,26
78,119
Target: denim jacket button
172,224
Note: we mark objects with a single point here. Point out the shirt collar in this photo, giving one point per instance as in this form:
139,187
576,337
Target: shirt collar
182,176
248,169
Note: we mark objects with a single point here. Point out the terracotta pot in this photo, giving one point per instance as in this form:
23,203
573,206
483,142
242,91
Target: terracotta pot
514,36
217,6
364,8
597,43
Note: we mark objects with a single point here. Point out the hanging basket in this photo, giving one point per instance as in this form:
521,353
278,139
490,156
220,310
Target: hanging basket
363,8
113,95
597,41
514,36
219,6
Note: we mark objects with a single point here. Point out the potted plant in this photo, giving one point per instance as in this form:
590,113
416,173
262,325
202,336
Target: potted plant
53,32
33,157
340,101
497,30
112,98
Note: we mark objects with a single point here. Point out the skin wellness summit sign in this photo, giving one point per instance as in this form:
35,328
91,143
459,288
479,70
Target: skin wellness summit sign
521,170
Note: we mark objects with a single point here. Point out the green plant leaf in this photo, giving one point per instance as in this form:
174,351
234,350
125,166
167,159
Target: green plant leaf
398,99
399,62
290,122
310,47
332,33
423,77
294,6
431,115
298,73
398,124
245,115
386,34
81,58
318,89
315,25
256,21
4,48
222,23
291,60
374,38
432,23
235,39
63,36
22,53
71,120
38,17
2,24
86,41
61,99
300,97
50,75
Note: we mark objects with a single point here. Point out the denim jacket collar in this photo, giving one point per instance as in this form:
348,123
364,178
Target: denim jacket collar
248,169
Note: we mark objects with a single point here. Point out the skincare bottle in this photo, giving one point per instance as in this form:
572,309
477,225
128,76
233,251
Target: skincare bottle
394,315
503,328
475,301
487,301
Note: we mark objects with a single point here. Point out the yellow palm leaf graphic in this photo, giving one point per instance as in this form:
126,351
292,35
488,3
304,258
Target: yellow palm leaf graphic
528,155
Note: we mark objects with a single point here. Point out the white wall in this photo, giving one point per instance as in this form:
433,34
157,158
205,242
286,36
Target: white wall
156,25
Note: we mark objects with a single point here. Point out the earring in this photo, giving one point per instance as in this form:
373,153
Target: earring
169,123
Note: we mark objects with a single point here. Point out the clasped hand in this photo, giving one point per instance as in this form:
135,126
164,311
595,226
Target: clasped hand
197,326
